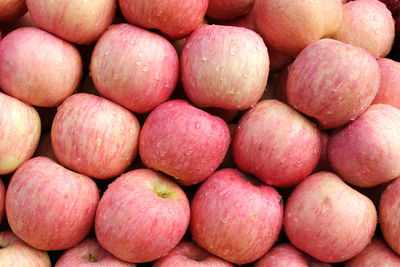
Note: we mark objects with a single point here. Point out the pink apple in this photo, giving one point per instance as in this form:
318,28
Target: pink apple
2,199
76,21
134,67
50,207
235,217
14,252
367,24
225,9
189,254
290,25
183,141
328,219
38,68
175,18
225,67
367,152
11,9
276,143
94,136
19,132
333,82
89,253
142,216
389,88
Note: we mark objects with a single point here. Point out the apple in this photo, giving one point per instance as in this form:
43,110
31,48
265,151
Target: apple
178,44
367,24
50,207
225,67
225,9
94,136
366,152
276,143
389,88
333,82
134,67
289,26
183,141
76,21
19,131
11,9
189,254
328,219
235,217
2,199
14,252
38,67
175,18
142,216
89,253
393,6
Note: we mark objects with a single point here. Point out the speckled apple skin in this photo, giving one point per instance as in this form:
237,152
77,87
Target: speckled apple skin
267,144
135,68
183,141
333,82
290,25
136,225
11,10
367,152
94,136
77,21
19,133
50,207
225,67
175,18
328,219
367,24
389,88
228,9
38,67
234,219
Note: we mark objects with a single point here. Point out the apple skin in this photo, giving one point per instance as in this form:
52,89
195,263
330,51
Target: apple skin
20,133
235,219
328,219
2,200
393,6
389,88
183,141
94,136
228,9
367,24
11,9
270,132
50,207
134,67
76,21
189,254
366,152
289,26
175,18
225,67
334,87
38,67
142,216
89,253
14,252
376,254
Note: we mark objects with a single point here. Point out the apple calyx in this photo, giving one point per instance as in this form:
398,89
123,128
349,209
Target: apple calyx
90,257
164,191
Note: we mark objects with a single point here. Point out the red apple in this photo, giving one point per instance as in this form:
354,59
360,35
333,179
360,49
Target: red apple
183,141
76,21
142,216
333,82
328,219
367,152
225,67
134,67
226,9
94,136
14,252
19,132
290,25
11,9
189,254
389,88
276,143
236,218
175,18
367,24
38,68
50,207
2,199
89,253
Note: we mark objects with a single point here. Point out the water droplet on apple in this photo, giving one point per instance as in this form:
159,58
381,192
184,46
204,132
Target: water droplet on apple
145,69
138,63
140,55
157,76
237,204
233,50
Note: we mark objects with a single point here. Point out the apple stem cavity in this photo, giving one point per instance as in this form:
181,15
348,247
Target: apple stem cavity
90,257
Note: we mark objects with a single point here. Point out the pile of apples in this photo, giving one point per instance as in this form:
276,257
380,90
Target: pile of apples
199,133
